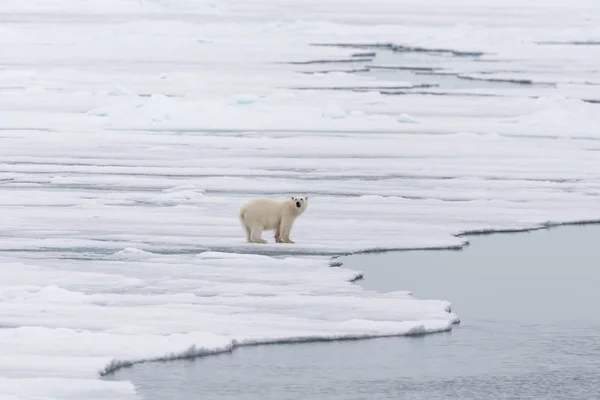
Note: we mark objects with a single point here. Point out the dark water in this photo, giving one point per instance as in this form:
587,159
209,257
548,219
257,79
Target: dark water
530,305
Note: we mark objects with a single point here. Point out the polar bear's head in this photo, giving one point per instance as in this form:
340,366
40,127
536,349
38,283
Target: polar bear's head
300,203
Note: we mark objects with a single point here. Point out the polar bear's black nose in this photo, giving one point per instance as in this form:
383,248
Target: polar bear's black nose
298,204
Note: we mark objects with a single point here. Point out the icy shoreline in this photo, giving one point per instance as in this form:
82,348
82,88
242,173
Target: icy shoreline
62,322
132,131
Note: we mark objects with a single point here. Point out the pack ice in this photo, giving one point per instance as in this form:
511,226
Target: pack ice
132,131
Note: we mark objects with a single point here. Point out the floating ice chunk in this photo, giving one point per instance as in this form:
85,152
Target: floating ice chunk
132,253
405,118
333,110
244,99
116,90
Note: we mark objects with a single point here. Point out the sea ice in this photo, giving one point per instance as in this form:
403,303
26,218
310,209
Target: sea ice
132,131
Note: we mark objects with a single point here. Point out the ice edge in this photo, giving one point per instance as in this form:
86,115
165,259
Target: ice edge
420,330
197,352
473,232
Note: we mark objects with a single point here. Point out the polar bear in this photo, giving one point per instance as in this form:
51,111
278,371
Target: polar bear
260,215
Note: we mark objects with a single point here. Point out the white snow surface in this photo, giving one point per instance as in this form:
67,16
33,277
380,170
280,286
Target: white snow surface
131,131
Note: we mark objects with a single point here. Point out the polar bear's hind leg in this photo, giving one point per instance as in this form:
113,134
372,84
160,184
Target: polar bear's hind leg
255,235
247,230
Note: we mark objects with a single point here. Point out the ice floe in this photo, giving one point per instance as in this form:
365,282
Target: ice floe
132,131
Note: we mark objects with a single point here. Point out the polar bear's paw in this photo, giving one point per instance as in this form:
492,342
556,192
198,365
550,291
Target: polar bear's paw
261,241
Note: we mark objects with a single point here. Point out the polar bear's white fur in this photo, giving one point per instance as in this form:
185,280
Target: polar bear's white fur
260,215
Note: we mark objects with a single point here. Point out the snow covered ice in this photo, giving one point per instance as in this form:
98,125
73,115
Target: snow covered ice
132,131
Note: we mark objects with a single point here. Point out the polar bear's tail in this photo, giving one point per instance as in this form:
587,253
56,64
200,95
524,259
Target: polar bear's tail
244,223
243,212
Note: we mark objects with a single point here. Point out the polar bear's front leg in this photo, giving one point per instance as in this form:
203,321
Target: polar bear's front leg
284,230
255,235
